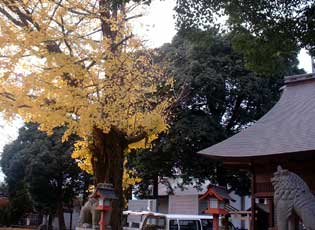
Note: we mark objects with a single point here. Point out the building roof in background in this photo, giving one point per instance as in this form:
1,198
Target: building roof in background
289,127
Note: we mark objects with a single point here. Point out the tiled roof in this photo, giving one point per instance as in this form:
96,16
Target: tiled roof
289,127
221,192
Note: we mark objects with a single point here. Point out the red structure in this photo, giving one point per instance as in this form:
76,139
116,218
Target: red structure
105,209
105,194
217,198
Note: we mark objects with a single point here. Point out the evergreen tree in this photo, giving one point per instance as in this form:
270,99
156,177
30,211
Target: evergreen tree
40,172
267,32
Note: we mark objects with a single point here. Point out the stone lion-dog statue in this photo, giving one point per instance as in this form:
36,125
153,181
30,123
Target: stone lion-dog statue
89,216
292,195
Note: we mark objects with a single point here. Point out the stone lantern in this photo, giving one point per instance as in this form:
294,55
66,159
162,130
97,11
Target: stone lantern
105,194
217,198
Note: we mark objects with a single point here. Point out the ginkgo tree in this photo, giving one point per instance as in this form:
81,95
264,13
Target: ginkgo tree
77,64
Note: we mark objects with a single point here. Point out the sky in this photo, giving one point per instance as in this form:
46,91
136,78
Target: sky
156,27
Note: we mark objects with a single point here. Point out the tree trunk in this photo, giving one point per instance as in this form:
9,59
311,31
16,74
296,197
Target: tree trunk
50,221
61,219
108,160
156,187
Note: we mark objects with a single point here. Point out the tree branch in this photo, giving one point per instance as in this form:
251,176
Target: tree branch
24,17
7,95
54,12
115,46
133,17
122,41
11,18
64,37
136,138
235,112
184,93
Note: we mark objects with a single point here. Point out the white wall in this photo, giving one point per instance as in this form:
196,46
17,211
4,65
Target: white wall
75,220
236,219
186,204
142,205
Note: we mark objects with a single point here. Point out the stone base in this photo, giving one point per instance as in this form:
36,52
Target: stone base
89,228
81,228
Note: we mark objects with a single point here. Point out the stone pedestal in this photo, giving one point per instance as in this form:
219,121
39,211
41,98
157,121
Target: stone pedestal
89,228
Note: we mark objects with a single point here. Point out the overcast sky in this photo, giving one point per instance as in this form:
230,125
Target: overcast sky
156,28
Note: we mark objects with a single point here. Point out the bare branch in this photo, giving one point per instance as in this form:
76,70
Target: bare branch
33,10
54,12
82,60
25,18
22,56
91,65
133,17
184,93
122,41
115,46
78,12
91,33
24,106
7,95
64,38
11,18
69,47
76,25
132,7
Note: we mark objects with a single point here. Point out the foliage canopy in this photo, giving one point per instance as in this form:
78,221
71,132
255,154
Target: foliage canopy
265,30
77,63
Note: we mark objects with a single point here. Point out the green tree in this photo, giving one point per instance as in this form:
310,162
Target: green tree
13,167
218,97
268,32
39,169
3,189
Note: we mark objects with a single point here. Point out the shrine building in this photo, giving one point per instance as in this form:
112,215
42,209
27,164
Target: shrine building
284,136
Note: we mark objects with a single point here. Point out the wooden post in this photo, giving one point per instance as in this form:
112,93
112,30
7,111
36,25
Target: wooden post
71,218
253,208
242,209
102,222
271,213
216,222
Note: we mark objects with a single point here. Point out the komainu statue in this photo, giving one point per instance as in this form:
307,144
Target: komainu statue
292,195
89,216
